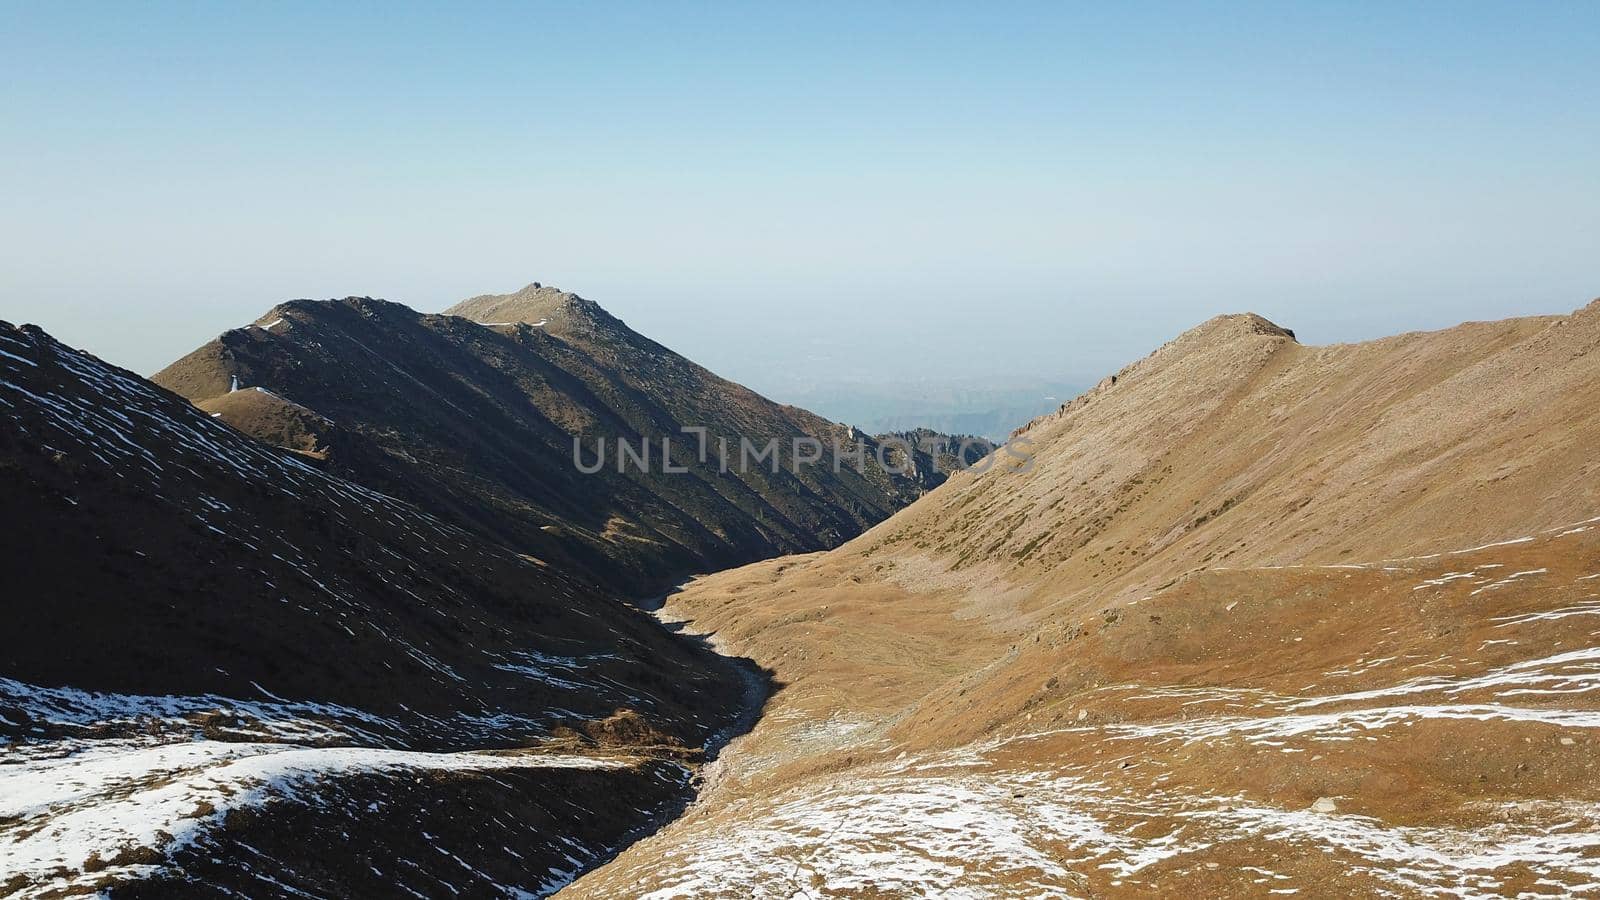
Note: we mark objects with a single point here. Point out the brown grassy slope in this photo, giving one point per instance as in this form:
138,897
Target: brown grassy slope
1111,626
270,418
1235,446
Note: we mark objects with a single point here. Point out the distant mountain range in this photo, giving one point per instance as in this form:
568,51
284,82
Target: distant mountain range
975,403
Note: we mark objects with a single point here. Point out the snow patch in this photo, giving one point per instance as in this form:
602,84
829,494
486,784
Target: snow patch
63,804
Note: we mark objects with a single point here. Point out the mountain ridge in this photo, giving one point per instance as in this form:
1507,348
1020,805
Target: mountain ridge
485,422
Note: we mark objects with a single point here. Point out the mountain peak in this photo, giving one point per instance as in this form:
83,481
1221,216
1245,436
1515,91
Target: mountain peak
537,287
542,305
1237,325
1229,335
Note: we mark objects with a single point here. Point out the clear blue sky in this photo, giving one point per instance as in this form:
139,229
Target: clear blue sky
804,191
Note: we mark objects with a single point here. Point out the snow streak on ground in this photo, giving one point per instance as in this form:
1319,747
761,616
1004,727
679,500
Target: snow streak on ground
80,810
539,324
546,667
280,720
965,830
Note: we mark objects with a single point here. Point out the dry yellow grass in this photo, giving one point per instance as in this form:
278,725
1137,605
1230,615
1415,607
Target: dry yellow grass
1204,643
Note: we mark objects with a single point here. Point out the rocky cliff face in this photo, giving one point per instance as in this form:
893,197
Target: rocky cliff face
1255,616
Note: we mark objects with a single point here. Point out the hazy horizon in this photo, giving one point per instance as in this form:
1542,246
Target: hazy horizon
806,200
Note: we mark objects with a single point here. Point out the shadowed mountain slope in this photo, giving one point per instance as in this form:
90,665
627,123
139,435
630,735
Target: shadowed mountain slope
180,556
1256,616
207,638
477,422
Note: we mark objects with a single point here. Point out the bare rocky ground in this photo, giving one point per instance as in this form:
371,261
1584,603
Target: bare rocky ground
1262,619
